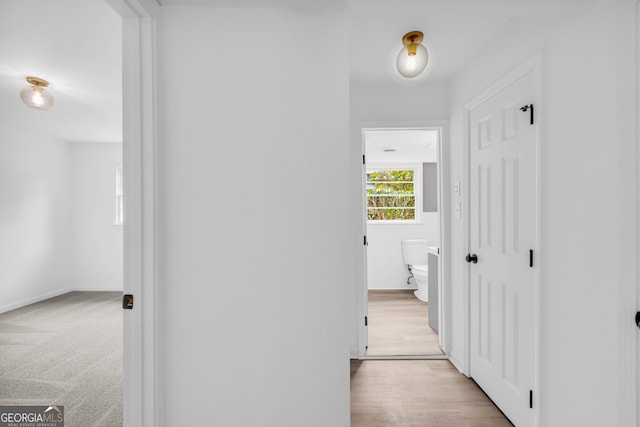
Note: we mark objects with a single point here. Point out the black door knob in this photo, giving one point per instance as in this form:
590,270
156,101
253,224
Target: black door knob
472,258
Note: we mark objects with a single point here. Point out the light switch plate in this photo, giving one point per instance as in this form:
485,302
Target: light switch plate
456,188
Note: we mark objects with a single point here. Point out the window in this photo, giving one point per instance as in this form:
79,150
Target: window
392,194
119,198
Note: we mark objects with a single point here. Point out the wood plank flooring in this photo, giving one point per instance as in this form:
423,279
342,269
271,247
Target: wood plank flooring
398,325
65,351
418,393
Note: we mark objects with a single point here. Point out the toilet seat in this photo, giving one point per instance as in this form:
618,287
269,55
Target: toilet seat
420,268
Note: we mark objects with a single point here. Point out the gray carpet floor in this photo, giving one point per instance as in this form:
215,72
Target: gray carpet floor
66,351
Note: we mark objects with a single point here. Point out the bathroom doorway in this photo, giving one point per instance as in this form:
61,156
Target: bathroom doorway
402,200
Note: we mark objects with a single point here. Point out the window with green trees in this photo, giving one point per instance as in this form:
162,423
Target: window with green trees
391,195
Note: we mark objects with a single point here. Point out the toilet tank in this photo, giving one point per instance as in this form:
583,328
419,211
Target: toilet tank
414,251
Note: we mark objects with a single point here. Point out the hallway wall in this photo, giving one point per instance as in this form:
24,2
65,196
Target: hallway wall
255,260
588,194
394,103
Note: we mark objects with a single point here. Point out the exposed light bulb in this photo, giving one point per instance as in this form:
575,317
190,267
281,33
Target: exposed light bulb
35,96
410,65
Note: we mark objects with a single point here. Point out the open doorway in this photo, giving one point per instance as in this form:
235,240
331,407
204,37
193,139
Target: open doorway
61,333
402,193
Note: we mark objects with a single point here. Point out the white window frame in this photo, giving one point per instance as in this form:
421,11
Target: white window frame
417,189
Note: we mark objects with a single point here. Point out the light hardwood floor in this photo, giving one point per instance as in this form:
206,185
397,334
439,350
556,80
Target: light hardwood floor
398,325
418,393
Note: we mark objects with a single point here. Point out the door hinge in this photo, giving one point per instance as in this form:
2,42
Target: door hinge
530,257
365,241
366,321
127,302
530,109
364,162
531,399
638,319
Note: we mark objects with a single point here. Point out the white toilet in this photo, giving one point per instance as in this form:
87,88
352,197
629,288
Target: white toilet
415,255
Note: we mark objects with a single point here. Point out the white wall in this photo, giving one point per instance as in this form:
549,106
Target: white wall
35,208
254,269
56,220
587,188
97,248
381,102
385,268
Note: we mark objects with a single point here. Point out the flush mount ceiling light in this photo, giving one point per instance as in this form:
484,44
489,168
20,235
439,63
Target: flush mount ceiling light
413,58
35,96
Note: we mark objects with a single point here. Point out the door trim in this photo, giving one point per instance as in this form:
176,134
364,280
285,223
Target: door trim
444,222
140,364
630,295
533,65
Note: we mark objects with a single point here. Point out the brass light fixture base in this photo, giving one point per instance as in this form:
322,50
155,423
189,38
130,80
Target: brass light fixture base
37,82
412,37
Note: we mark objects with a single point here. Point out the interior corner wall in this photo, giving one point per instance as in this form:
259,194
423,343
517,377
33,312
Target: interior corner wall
587,204
97,243
255,261
34,217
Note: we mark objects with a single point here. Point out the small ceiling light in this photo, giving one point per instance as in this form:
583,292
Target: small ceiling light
413,58
389,150
35,96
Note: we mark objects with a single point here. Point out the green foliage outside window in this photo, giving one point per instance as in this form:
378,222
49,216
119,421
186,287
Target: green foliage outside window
391,195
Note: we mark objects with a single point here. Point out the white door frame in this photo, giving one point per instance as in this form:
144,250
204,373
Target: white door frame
442,126
140,385
533,65
630,301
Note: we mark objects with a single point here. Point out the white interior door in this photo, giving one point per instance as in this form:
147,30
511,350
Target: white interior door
502,168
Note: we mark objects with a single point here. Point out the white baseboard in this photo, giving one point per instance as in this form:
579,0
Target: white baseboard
458,365
97,289
33,300
353,353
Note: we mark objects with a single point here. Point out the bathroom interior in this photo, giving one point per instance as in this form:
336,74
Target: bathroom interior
403,235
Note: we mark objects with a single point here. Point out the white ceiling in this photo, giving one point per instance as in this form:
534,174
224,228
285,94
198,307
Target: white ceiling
456,31
76,45
410,145
295,4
